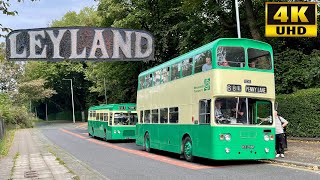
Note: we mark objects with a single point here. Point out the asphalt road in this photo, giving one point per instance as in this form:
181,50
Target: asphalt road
125,160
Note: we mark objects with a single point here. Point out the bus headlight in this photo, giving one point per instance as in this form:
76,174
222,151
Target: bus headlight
118,132
227,137
227,150
114,131
266,137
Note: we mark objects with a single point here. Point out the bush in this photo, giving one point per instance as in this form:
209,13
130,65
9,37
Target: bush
66,115
13,114
302,110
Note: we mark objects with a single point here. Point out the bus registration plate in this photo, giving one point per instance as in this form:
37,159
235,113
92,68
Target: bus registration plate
247,147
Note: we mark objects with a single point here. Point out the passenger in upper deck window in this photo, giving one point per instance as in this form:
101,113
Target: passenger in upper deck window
207,66
224,63
253,64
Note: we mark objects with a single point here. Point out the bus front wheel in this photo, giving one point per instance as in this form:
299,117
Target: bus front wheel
187,149
147,142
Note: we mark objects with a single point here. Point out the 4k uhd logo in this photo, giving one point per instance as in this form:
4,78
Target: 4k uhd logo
295,19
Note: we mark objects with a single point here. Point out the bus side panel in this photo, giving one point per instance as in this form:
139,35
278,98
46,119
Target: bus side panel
154,130
104,125
90,126
201,140
97,129
139,135
109,133
95,126
170,137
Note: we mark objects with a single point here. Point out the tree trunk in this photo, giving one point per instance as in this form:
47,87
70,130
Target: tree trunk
251,20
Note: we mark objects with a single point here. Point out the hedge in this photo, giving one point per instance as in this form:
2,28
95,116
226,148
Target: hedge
302,110
66,115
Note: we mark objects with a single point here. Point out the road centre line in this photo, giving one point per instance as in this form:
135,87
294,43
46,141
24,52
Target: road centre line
142,153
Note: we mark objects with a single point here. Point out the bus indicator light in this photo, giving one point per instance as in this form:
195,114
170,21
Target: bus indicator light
271,137
291,19
221,137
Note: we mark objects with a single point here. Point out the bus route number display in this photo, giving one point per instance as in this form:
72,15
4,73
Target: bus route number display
256,89
233,88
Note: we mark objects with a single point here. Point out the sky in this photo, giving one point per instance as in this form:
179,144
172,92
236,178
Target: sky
40,13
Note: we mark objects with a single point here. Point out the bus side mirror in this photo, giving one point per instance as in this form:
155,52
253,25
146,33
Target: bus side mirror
276,106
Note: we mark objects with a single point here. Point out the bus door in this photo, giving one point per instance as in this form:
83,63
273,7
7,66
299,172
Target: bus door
262,110
203,130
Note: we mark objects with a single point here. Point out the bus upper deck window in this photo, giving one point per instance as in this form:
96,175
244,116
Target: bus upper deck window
175,71
228,56
142,82
187,67
259,59
148,82
165,75
156,78
203,62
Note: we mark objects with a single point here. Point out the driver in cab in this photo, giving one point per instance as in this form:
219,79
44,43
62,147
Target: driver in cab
217,109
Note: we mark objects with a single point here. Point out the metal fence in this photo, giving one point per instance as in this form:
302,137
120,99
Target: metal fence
2,128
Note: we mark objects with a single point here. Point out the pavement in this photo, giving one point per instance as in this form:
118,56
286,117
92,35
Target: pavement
33,155
302,152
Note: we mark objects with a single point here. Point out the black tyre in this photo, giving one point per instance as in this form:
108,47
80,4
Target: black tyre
146,144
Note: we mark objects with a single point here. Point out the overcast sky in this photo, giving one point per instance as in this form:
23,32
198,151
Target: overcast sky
40,13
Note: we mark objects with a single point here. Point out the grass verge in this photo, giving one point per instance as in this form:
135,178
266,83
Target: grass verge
14,164
6,143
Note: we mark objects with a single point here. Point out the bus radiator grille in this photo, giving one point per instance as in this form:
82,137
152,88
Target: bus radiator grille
128,133
248,134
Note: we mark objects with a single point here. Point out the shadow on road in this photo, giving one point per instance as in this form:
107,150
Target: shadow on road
207,162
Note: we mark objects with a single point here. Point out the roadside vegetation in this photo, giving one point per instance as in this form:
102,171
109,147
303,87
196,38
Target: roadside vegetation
6,142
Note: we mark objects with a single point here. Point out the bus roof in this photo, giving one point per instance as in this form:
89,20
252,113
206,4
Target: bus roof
229,41
114,107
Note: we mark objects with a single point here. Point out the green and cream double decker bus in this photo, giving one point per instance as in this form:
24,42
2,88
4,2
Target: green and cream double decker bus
113,121
214,102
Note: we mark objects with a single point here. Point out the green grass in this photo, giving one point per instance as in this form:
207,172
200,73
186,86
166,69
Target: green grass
6,143
60,161
75,177
14,164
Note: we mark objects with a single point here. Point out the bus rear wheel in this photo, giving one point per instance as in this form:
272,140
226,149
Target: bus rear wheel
105,135
92,135
187,149
147,142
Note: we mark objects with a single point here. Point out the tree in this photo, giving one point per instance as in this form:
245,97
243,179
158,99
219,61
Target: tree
88,16
5,9
35,90
9,72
